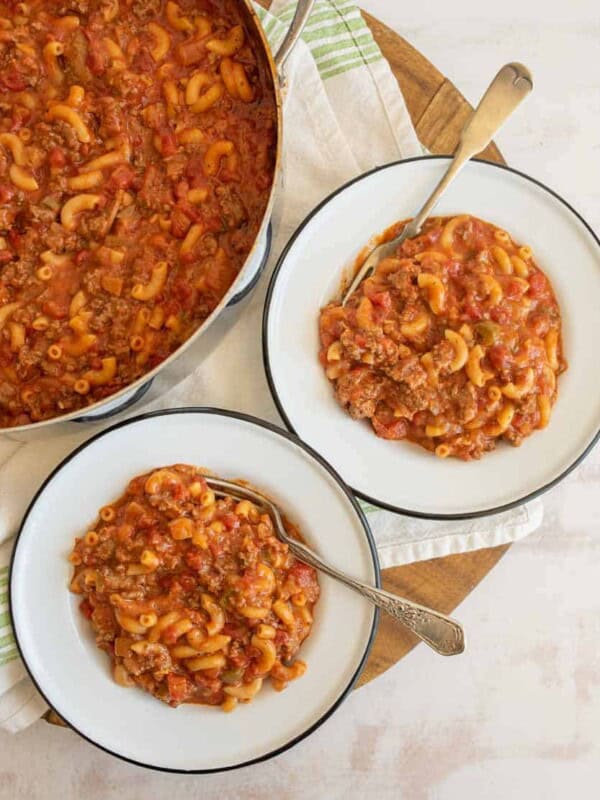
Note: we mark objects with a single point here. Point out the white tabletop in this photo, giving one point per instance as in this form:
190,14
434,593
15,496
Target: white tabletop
519,714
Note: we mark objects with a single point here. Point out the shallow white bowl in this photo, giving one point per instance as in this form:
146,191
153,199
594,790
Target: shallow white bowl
398,475
57,644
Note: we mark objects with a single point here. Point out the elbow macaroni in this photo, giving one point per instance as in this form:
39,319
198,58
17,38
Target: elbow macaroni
75,206
461,351
175,20
150,290
215,153
449,232
230,44
162,41
436,294
22,179
73,118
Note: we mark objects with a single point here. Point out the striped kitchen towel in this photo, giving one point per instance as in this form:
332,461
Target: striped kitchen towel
7,641
20,704
358,82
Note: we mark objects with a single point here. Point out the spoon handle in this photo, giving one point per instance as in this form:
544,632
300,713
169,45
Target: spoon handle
511,85
441,633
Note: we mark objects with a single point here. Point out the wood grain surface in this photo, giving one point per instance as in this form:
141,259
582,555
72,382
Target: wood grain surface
438,111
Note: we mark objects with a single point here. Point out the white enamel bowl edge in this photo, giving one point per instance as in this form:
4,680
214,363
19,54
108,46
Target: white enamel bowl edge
398,475
57,644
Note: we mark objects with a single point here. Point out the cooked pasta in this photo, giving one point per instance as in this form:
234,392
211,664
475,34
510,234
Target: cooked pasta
452,343
124,156
194,598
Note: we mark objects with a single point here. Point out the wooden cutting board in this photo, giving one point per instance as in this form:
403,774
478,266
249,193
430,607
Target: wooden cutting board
438,111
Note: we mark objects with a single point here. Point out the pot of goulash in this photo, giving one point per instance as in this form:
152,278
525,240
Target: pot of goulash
140,148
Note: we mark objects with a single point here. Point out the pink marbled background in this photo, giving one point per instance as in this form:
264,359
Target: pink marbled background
519,715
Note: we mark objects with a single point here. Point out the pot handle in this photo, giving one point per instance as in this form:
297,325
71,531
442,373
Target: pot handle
303,9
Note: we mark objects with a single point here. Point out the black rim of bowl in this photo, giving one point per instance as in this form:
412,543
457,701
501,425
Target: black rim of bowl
271,381
208,410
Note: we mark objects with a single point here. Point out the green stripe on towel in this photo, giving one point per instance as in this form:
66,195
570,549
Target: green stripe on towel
6,658
336,29
345,44
367,507
321,5
337,35
359,63
346,57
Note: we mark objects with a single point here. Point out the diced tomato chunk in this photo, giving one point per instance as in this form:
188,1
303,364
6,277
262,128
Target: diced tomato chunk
14,237
231,521
178,491
500,314
499,356
20,117
81,257
382,300
190,51
540,325
181,189
6,193
179,687
303,574
389,430
537,284
97,58
216,548
122,177
514,289
180,223
194,559
473,311
13,80
57,309
57,157
86,608
168,143
190,211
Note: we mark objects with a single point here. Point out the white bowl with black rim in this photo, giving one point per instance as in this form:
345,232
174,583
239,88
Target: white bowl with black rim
401,476
57,644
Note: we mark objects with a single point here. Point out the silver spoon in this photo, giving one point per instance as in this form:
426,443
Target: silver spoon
511,85
441,633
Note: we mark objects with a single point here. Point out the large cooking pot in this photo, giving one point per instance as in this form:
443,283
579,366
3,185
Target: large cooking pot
246,278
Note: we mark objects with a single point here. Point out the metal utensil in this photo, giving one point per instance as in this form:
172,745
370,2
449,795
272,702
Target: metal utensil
441,633
511,85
